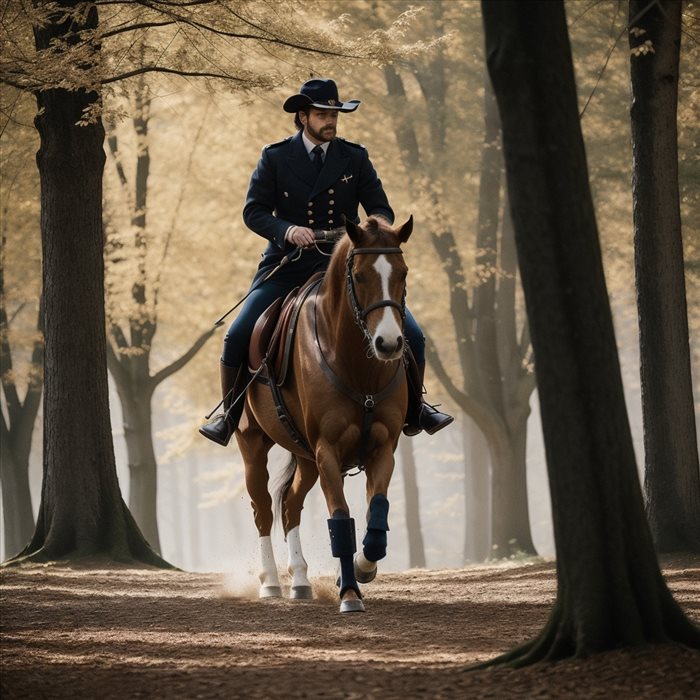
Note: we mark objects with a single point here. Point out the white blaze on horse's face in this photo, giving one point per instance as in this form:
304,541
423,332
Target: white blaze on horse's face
387,337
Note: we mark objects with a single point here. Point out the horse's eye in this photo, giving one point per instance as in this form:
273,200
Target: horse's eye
359,277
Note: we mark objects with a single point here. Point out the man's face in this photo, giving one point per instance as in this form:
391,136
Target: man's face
320,125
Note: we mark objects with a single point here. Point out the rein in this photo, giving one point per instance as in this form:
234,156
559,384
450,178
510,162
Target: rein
320,236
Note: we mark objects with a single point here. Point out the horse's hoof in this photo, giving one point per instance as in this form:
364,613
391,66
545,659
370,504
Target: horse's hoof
302,593
270,592
353,605
364,576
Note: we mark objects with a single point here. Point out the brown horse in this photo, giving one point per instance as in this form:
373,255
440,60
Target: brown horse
346,396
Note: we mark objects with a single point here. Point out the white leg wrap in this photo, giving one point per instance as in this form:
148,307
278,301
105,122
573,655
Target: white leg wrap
268,573
364,564
296,564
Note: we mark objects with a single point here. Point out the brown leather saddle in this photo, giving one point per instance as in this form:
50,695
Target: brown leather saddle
271,343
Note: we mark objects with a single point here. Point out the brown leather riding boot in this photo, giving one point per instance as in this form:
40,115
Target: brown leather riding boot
420,415
222,426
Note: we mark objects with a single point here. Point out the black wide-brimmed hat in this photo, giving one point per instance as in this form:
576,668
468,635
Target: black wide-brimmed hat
319,93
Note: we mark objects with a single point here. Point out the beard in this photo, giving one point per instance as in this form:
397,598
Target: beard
327,133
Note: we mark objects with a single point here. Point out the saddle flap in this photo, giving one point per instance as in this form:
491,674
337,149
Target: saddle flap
284,351
263,333
274,331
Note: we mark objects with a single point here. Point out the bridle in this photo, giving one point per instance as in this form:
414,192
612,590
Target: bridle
360,314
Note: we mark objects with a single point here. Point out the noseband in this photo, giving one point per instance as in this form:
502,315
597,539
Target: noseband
358,312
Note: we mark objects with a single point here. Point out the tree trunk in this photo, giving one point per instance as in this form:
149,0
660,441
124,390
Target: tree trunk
610,590
143,468
477,496
672,476
81,513
16,434
416,549
518,523
518,383
17,515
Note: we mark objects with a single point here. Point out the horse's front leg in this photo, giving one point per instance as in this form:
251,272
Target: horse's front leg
254,446
375,540
341,528
304,478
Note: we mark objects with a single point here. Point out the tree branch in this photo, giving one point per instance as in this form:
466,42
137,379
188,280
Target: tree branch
115,366
264,36
135,27
118,336
181,73
456,394
182,360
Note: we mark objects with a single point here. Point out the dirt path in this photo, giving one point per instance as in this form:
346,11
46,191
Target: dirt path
125,633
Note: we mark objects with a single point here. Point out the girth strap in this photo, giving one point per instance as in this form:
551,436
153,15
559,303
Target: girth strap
283,413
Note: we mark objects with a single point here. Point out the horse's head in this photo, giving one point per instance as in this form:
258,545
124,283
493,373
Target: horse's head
376,278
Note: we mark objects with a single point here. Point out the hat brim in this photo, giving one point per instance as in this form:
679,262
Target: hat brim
298,102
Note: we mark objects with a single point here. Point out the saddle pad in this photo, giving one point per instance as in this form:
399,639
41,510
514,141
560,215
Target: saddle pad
274,330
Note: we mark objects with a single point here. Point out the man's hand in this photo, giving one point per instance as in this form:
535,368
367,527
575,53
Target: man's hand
301,236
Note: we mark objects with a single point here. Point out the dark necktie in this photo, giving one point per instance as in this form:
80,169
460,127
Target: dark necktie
318,157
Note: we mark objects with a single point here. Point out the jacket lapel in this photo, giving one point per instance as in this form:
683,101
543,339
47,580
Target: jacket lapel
333,167
300,163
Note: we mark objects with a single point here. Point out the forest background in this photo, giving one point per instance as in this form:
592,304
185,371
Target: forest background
186,246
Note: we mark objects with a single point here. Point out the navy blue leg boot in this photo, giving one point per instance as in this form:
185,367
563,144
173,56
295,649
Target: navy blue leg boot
374,543
343,546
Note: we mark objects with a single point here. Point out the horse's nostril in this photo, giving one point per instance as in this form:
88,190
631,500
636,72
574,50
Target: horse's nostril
380,343
399,342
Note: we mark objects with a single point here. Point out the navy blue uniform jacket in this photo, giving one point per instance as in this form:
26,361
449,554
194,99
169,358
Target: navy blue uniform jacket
286,190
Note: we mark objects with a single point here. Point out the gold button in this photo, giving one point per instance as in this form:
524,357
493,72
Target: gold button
311,221
310,204
330,211
310,212
332,201
330,221
331,191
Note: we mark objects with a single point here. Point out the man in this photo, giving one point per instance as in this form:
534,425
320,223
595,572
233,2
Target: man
313,180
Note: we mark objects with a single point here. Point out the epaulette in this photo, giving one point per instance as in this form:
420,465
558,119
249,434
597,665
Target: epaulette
351,143
276,143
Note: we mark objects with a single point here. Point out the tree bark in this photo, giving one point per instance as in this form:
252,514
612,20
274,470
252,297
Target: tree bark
81,513
610,590
672,475
416,548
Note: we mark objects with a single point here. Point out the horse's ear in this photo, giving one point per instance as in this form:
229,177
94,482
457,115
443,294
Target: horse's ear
406,229
353,230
